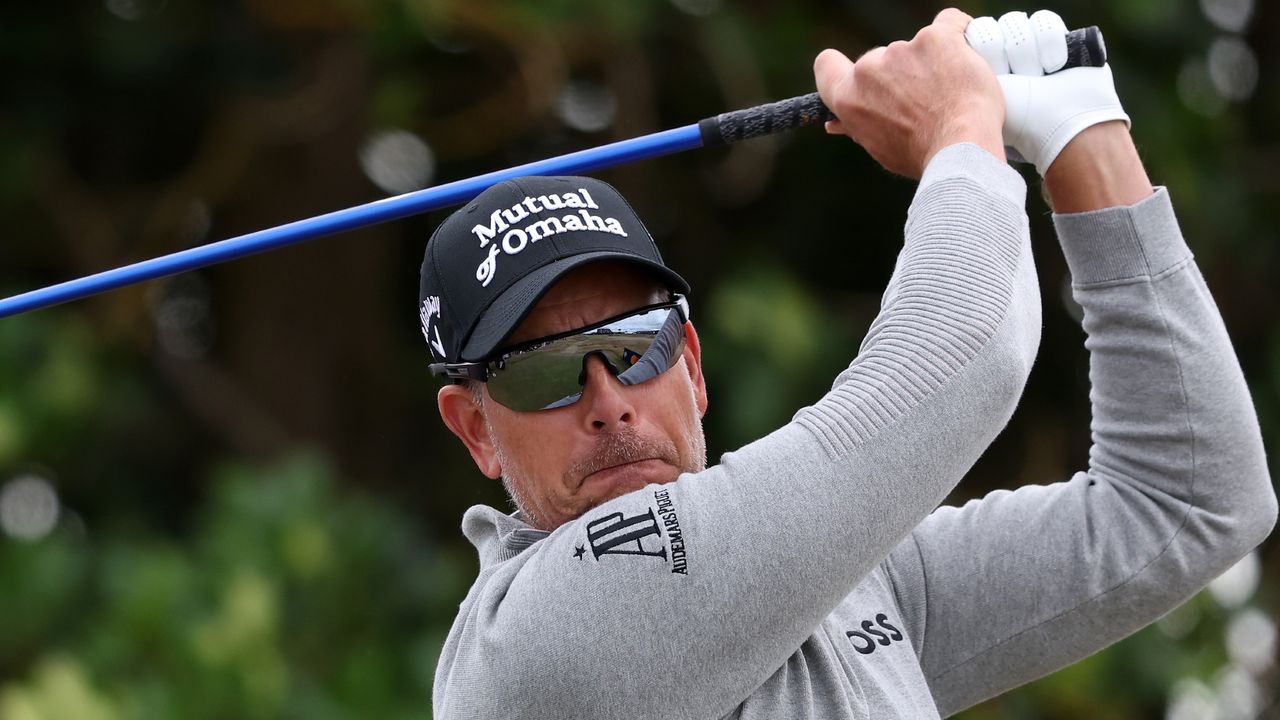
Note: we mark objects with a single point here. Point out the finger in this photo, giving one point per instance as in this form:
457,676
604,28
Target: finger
833,75
1051,39
954,19
873,55
984,36
1020,44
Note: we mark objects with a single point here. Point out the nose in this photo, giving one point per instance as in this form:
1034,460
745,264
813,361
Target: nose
606,403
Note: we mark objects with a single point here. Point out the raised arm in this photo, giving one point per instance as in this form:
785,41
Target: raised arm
1176,489
680,600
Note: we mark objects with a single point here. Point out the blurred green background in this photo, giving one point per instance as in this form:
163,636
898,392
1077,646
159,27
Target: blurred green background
228,494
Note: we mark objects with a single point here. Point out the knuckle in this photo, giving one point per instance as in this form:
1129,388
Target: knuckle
845,101
871,58
929,34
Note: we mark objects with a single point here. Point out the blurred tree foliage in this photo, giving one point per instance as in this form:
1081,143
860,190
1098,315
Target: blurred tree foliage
204,564
288,597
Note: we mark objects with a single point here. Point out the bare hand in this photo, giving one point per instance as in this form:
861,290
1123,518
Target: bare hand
905,102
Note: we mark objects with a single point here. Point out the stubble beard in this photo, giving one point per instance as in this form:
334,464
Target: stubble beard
612,448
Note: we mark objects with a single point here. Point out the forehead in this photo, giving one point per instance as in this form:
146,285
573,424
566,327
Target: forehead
588,295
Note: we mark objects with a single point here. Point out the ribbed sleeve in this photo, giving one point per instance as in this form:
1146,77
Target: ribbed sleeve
950,292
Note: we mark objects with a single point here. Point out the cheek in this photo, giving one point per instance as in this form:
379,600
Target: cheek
535,450
534,444
681,419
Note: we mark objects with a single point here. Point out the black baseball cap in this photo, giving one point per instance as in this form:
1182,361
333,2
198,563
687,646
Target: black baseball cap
490,262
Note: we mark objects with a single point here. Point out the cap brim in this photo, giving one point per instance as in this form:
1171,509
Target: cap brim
505,313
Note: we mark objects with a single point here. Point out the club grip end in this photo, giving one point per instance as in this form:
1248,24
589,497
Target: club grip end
1085,48
765,119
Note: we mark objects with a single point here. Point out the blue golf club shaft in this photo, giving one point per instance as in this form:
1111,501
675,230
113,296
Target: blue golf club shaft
1084,48
379,211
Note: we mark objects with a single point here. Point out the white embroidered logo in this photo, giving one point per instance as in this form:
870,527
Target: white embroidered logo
516,239
429,307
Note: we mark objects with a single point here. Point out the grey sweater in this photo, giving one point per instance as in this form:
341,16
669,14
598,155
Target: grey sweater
811,574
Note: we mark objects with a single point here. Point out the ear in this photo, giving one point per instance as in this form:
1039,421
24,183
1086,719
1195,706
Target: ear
693,361
465,418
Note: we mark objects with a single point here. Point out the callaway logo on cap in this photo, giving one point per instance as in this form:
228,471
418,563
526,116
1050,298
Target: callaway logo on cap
489,263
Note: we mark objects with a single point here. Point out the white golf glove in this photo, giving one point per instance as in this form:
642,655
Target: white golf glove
1042,112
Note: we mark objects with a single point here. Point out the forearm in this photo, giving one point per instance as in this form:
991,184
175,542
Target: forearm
1172,414
1166,341
1099,168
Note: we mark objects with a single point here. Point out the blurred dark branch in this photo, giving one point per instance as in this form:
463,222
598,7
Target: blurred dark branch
747,167
219,401
1259,164
538,71
90,228
333,94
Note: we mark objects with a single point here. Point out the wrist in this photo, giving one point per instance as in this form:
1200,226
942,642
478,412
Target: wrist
1099,168
976,131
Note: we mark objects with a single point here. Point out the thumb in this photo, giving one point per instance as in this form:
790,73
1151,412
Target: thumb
1017,91
833,74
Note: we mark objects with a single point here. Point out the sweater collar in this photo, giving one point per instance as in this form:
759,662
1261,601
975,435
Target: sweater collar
497,535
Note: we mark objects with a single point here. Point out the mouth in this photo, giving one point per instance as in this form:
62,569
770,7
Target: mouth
634,472
623,460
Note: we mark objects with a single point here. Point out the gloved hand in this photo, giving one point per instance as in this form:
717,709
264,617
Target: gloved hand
1042,112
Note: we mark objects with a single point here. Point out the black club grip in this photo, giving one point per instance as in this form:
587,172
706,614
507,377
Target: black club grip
764,119
1085,48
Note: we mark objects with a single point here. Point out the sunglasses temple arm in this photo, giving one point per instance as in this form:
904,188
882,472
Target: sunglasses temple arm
460,371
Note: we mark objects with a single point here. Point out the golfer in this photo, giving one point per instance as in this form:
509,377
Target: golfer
811,573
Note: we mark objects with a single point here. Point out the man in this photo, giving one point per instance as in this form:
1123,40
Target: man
811,573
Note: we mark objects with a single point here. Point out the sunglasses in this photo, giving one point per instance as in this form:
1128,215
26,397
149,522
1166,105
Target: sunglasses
549,372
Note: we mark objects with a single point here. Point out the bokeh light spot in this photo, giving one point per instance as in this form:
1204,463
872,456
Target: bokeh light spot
1238,694
28,507
183,316
1067,295
1197,91
1251,641
397,161
1234,587
1233,68
585,106
196,222
1229,15
1191,699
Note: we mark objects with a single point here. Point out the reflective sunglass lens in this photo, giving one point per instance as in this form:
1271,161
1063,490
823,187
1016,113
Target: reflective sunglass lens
552,375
